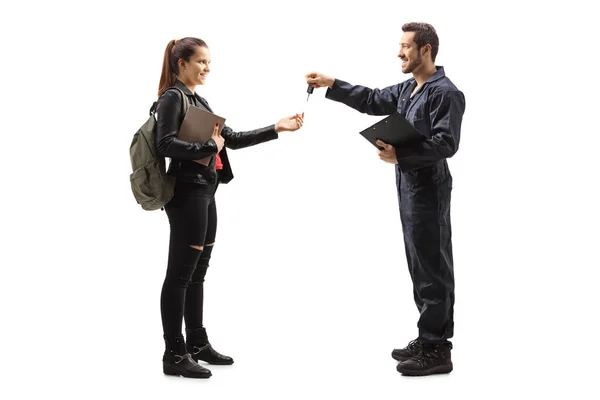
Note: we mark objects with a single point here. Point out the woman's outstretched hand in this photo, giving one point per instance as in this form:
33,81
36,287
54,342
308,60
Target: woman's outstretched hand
292,123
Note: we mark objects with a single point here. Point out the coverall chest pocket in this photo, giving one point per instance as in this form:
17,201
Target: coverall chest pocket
422,125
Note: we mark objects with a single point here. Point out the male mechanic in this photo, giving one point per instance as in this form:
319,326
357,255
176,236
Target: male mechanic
434,105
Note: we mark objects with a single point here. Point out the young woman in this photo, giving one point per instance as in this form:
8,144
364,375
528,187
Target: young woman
198,169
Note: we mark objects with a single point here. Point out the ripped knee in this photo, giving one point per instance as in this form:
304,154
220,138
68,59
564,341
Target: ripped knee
200,248
210,245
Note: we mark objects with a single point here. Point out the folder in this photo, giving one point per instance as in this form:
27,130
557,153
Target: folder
197,127
393,129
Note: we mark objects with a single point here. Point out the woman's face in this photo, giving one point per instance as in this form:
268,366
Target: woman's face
196,70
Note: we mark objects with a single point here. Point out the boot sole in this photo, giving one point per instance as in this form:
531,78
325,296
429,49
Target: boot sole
213,362
172,372
440,369
216,363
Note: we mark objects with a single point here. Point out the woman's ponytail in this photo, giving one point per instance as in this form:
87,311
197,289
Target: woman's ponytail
167,76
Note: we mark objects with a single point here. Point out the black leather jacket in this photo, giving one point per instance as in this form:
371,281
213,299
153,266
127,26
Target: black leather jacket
182,154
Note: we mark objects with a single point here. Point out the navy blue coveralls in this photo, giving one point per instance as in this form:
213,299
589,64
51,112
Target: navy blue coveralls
424,184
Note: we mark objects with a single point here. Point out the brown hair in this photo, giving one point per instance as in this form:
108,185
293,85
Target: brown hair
424,34
176,49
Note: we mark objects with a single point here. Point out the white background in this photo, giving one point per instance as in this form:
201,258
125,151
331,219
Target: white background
308,287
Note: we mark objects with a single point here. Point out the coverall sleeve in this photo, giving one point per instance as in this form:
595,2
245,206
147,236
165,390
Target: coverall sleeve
445,116
368,101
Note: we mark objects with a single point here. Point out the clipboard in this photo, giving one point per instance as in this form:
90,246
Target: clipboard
393,129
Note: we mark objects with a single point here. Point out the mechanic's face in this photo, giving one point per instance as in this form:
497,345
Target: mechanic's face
411,57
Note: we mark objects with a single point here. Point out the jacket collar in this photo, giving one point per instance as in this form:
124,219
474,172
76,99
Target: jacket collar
181,85
439,74
178,84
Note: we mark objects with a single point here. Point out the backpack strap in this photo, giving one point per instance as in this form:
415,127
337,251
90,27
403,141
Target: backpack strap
185,104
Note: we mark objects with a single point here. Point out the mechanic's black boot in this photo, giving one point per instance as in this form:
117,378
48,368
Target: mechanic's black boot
432,359
198,346
413,348
177,361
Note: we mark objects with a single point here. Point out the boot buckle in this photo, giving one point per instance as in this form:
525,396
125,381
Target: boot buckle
197,349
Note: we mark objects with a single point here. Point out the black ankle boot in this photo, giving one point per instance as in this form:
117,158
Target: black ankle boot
177,361
432,359
198,346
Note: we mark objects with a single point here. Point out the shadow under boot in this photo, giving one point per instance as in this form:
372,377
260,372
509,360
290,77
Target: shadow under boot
199,347
178,362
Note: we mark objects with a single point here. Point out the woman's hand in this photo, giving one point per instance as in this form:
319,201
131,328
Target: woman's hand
219,140
292,123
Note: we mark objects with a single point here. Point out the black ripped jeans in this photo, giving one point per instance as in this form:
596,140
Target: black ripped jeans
192,216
